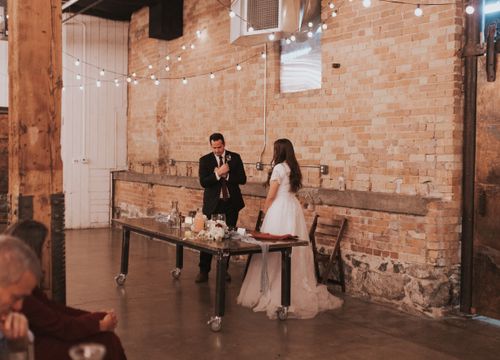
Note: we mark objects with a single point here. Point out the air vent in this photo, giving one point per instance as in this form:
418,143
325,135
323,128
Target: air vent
263,14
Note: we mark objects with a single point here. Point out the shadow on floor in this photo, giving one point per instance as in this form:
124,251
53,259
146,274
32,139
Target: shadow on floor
162,318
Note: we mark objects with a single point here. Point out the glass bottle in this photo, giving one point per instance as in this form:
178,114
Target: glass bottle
174,215
199,221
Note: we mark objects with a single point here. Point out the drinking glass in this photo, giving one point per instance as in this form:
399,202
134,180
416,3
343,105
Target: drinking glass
87,351
220,217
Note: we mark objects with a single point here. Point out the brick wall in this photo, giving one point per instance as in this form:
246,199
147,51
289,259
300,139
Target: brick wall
393,110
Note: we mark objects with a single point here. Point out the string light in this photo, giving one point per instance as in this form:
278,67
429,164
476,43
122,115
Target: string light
134,74
418,11
157,82
232,14
251,29
367,3
153,77
81,87
212,75
324,26
263,55
129,79
135,82
117,84
150,66
198,34
101,72
78,76
271,37
184,81
293,38
470,9
288,41
77,62
238,67
192,46
98,83
167,68
179,58
334,13
310,24
310,34
331,5
183,47
167,57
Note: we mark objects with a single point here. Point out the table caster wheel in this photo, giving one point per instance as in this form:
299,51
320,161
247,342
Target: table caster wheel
283,313
176,273
215,323
120,279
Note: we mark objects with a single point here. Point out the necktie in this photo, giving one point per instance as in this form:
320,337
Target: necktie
225,192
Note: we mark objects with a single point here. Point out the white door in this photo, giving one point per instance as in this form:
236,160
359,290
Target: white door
94,116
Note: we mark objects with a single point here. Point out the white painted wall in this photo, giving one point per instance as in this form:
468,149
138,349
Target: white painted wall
94,119
4,76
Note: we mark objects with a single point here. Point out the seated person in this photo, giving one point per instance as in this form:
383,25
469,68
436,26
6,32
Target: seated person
58,327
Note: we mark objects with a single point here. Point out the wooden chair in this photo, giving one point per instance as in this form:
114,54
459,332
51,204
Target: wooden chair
328,232
258,224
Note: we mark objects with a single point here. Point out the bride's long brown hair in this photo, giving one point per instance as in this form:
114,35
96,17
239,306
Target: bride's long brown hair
283,151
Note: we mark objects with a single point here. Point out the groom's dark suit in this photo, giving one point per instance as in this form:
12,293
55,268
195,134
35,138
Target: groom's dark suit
212,201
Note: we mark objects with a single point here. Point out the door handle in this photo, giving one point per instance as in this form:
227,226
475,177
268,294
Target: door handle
481,203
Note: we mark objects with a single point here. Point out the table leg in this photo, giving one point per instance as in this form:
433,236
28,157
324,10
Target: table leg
215,321
179,260
286,277
122,276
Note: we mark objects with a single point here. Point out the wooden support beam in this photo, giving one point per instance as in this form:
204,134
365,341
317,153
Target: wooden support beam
35,84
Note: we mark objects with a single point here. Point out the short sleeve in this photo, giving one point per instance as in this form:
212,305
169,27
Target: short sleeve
279,173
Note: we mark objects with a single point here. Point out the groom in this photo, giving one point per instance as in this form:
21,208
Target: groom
221,173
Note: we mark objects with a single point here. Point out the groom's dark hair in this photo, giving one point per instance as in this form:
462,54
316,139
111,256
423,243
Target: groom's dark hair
216,137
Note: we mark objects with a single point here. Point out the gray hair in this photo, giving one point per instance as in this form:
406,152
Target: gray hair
15,259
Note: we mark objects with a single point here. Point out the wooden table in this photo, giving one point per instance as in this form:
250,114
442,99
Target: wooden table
222,250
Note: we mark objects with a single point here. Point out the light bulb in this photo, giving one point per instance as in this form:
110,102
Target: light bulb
183,47
334,13
153,77
232,14
135,82
101,72
288,41
116,81
81,87
150,66
129,79
470,9
78,76
179,58
263,55
271,37
367,3
167,68
418,11
63,88
77,62
251,29
212,76
134,74
184,81
309,34
238,67
117,84
198,34
324,26
157,82
167,57
331,5
192,46
293,38
310,24
98,83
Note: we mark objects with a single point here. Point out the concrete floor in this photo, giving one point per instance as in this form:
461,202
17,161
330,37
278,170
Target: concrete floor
161,318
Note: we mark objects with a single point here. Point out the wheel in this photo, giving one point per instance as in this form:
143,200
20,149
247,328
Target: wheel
283,313
120,279
215,323
176,273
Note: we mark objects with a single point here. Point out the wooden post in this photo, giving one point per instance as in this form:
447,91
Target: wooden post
35,165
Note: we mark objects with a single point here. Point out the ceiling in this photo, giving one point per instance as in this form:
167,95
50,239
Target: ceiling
107,9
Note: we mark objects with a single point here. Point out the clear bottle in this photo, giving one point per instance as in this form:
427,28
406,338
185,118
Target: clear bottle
175,219
199,221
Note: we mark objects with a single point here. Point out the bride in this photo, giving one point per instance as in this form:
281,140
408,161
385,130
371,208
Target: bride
284,216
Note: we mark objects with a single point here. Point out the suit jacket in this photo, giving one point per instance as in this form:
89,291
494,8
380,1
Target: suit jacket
213,187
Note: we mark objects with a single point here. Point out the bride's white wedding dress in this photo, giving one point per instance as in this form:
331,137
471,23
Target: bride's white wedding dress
285,216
